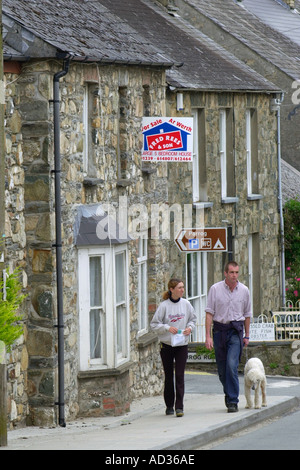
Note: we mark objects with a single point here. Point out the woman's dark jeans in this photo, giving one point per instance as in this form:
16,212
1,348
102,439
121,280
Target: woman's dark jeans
169,354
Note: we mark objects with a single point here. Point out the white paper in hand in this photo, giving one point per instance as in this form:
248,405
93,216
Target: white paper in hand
178,339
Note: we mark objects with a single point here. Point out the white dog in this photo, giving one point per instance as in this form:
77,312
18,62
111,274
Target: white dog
255,378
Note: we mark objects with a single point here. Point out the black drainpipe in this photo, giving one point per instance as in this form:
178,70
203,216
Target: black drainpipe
58,244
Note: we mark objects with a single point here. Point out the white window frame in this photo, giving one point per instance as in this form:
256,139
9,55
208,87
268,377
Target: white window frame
250,267
223,153
196,183
143,285
198,296
251,155
248,152
111,357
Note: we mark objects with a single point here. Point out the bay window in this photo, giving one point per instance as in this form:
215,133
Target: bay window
103,307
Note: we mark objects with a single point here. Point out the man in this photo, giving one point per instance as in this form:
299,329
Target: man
229,310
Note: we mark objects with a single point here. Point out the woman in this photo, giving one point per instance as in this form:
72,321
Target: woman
174,316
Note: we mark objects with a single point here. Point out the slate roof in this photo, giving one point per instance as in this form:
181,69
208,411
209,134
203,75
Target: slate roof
205,65
278,15
83,27
270,44
136,31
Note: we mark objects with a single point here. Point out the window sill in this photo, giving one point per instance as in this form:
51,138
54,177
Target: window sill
123,183
146,339
202,205
91,182
93,373
254,197
229,200
148,171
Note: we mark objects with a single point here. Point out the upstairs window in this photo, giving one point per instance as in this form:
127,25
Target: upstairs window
199,157
227,156
252,153
92,128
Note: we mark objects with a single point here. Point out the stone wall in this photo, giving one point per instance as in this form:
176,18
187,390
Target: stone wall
15,244
279,358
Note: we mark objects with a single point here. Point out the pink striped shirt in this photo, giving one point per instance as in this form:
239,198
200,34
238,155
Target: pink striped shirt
226,306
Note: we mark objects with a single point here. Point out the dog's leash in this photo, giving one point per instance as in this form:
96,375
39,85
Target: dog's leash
246,353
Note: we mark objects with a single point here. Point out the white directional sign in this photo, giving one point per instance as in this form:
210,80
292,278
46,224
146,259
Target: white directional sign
202,239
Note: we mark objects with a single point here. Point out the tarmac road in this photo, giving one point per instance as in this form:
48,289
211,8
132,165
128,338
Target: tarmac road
281,433
196,382
278,433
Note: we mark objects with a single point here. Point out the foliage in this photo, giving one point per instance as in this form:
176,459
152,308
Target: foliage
292,249
203,351
293,286
10,327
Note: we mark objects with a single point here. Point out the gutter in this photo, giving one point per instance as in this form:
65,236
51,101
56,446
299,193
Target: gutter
58,244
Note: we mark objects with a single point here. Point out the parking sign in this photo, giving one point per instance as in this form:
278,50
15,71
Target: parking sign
194,244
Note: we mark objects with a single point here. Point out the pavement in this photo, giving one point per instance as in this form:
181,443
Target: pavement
146,427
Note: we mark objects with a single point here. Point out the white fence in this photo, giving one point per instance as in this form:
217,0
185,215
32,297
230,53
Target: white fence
287,322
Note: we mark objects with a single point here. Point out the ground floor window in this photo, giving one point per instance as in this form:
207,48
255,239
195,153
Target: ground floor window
103,306
196,290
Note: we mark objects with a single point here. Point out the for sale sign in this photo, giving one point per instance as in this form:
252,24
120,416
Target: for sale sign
167,139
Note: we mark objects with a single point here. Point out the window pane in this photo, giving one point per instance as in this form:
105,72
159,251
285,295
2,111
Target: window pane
120,277
96,281
195,333
121,329
189,277
143,294
95,334
192,274
203,269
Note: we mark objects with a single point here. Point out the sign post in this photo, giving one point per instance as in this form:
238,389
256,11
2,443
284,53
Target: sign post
202,239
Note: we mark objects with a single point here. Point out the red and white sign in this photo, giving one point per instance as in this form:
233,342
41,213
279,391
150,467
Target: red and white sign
167,139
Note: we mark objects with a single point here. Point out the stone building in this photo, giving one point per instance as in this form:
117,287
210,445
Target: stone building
264,35
73,160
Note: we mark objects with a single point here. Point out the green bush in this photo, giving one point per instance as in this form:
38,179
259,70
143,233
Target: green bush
292,249
203,351
10,327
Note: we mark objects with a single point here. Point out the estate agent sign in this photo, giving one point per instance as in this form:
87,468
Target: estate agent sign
167,139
